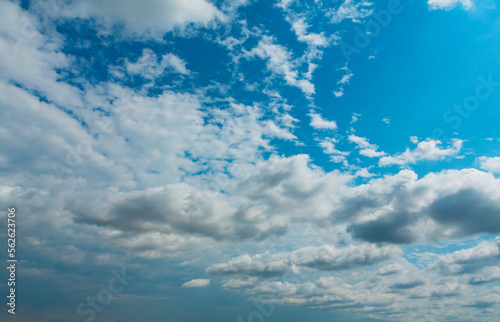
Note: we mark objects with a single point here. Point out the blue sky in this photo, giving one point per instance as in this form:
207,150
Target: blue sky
197,160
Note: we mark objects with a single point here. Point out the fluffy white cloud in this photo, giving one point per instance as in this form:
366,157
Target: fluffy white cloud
31,58
150,16
317,122
449,4
490,164
425,150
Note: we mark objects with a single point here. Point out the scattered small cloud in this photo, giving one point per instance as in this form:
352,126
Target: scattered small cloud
366,148
317,122
200,282
355,117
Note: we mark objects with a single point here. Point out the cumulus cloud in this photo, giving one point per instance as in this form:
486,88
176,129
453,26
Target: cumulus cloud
31,57
490,164
486,275
425,150
325,258
395,290
151,16
168,172
470,260
403,209
319,123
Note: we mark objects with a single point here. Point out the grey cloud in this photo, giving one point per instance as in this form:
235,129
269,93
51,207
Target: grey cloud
172,209
329,258
486,275
402,209
390,269
324,258
468,261
407,285
392,228
469,211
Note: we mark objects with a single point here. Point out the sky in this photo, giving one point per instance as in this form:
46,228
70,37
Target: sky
244,160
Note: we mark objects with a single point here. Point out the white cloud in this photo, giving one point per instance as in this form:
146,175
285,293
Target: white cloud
279,61
350,9
181,173
490,164
355,117
300,27
366,148
343,81
326,257
372,153
337,156
364,173
386,120
148,66
317,122
339,93
200,282
404,209
153,17
279,132
470,260
425,150
31,58
449,4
